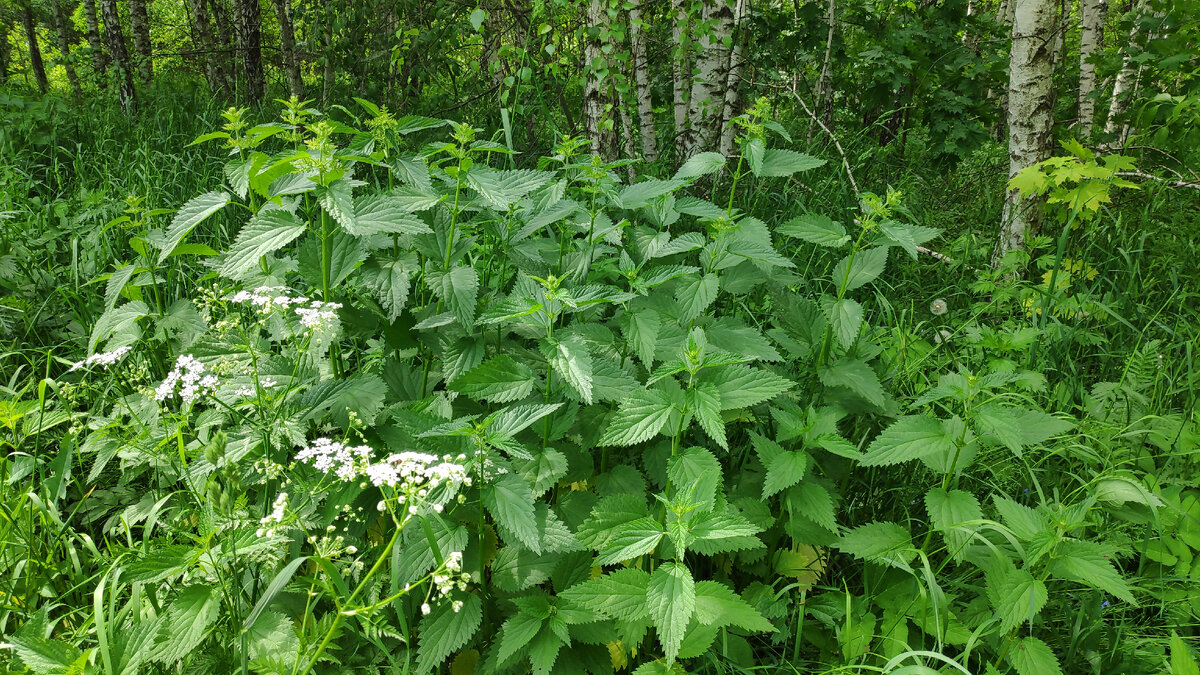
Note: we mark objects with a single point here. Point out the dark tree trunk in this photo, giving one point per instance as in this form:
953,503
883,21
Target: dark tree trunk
139,28
4,53
99,57
249,37
120,56
209,56
287,46
64,46
35,52
224,48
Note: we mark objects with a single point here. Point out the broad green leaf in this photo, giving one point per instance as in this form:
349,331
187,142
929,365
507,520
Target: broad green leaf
696,294
909,437
641,194
846,317
640,416
705,403
1182,662
701,164
189,616
947,511
816,229
444,631
1018,428
512,420
855,375
723,530
117,319
1123,489
641,328
570,359
383,214
500,380
786,162
631,539
345,254
811,500
1031,656
116,283
188,217
387,277
39,654
618,595
337,201
1024,522
458,288
360,393
671,597
860,268
1017,597
1085,562
695,475
266,233
510,501
741,386
718,605
784,469
886,543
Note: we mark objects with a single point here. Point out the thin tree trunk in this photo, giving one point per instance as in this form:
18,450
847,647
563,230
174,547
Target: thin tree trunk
630,146
5,53
35,52
287,46
823,104
247,23
120,56
327,56
1091,39
707,100
681,71
596,123
139,27
99,57
224,32
1122,93
64,46
641,85
210,59
1030,114
732,93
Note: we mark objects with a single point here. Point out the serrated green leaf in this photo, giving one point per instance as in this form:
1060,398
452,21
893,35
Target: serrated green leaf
696,294
705,403
811,500
947,511
743,386
631,539
388,279
512,420
816,229
846,317
458,287
444,631
1084,562
855,375
618,595
909,437
860,268
191,214
671,597
510,501
886,543
641,194
338,201
1182,662
384,214
116,320
516,633
266,233
1017,597
701,164
640,416
784,469
641,328
500,380
1031,656
695,475
717,605
189,616
777,162
570,359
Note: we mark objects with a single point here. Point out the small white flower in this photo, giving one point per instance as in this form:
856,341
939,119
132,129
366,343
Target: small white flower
189,379
104,359
425,608
938,307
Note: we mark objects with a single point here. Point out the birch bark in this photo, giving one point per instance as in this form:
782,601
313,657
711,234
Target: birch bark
139,28
1091,38
641,85
35,51
287,47
1122,93
120,56
99,57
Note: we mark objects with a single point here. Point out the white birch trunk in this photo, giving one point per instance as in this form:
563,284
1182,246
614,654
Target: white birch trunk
595,104
729,131
681,67
139,28
1122,92
641,86
707,97
1030,113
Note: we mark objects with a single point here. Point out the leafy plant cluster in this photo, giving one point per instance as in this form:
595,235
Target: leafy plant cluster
381,401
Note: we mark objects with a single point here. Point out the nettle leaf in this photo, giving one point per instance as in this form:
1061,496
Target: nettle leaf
1017,597
777,162
846,317
695,474
444,631
887,543
387,277
855,375
641,194
630,540
570,359
705,403
696,294
361,393
117,320
266,233
511,421
717,605
1024,522
500,380
191,214
1085,562
384,214
193,611
39,654
813,501
639,417
1031,656
516,634
338,202
816,229
458,287
671,597
1018,428
909,437
701,164
743,386
859,268
784,469
510,501
947,511
641,328
617,595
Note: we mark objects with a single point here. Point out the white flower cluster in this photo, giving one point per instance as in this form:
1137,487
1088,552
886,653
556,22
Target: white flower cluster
346,462
266,299
265,383
104,360
275,517
449,578
189,377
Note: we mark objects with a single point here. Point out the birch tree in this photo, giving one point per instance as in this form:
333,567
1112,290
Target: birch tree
1030,114
139,28
711,77
99,57
35,51
1091,38
733,76
5,52
64,46
120,56
641,85
681,72
249,36
596,104
203,39
287,47
1122,92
